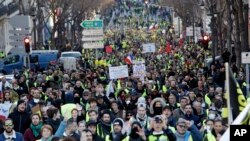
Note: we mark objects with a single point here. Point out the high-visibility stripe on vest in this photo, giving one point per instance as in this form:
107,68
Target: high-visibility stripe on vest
164,89
144,93
155,138
172,129
209,137
207,100
100,131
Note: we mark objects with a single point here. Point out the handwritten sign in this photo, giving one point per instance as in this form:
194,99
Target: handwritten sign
118,72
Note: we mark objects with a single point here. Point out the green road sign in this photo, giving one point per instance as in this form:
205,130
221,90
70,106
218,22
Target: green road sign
92,24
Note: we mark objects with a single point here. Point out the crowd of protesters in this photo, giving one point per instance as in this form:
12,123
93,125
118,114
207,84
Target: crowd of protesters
181,98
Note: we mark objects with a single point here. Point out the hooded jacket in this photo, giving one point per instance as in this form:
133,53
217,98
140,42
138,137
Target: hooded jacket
163,104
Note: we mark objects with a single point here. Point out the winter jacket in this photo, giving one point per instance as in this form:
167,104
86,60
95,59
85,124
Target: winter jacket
163,104
21,120
19,137
29,136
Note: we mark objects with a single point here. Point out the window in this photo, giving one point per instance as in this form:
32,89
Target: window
12,59
34,59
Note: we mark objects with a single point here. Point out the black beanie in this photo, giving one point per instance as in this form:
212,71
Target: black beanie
20,102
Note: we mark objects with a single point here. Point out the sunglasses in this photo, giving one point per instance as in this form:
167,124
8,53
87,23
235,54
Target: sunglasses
129,115
182,126
8,125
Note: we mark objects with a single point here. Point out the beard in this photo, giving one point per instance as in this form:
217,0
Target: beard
9,131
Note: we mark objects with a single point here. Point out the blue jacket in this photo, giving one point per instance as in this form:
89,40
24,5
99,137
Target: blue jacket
19,137
196,135
61,128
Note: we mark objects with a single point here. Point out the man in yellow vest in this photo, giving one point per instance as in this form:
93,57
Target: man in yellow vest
116,134
159,131
187,131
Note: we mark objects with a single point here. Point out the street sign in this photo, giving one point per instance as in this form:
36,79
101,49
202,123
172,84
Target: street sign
92,24
245,57
20,21
22,32
92,38
18,43
17,38
20,28
92,45
91,32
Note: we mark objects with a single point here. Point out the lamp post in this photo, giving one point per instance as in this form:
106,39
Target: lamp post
246,16
213,26
33,14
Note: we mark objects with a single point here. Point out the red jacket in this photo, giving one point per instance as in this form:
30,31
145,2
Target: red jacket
29,136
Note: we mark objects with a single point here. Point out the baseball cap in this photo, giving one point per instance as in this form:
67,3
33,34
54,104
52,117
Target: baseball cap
181,121
158,119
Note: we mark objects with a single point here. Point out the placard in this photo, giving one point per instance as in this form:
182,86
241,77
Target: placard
118,72
150,47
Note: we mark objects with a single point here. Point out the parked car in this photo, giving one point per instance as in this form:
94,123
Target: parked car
65,55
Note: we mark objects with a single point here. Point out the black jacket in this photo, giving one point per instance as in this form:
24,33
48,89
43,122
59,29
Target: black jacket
21,121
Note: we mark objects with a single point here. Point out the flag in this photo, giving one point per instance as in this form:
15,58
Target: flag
109,89
236,100
168,48
128,60
108,49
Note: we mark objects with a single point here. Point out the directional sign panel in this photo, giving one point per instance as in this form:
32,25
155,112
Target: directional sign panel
20,21
15,38
92,45
92,24
22,32
93,38
91,32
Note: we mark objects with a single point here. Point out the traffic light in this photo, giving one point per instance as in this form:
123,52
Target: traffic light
27,44
205,41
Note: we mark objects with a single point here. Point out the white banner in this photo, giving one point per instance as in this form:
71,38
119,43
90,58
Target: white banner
118,72
150,47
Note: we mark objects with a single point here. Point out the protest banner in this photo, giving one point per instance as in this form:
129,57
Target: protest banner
118,72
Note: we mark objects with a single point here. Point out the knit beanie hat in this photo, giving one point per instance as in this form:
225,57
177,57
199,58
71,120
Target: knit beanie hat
118,121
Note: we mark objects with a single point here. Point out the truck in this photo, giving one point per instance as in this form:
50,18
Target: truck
38,58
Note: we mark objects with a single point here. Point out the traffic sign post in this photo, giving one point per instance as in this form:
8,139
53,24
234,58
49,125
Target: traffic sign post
245,59
93,35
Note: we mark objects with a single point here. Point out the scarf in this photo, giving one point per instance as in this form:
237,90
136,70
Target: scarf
36,129
106,127
49,139
143,121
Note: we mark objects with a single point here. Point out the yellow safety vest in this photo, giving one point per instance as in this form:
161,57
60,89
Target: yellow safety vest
108,139
209,137
155,138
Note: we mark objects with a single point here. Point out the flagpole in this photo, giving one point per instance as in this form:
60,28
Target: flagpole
230,119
